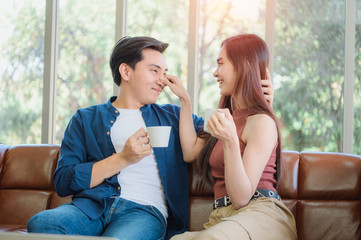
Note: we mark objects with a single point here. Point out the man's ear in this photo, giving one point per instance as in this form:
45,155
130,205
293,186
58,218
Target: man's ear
124,70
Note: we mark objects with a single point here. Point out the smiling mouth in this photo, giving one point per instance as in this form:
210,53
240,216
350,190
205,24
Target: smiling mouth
158,90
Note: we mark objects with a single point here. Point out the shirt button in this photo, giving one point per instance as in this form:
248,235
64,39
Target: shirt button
111,121
108,133
116,111
118,188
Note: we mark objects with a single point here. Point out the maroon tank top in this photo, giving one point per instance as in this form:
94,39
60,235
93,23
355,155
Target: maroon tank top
216,160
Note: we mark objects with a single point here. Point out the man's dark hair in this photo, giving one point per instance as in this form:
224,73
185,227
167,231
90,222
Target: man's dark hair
129,50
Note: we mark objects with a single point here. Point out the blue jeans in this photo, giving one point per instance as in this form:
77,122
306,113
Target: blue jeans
122,219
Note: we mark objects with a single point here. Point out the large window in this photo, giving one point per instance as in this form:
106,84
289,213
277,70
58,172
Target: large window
21,70
308,73
86,37
218,20
166,21
306,39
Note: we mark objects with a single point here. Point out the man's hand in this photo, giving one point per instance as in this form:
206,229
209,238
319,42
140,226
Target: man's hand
136,147
267,88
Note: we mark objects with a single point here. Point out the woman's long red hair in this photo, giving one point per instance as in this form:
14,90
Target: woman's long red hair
249,56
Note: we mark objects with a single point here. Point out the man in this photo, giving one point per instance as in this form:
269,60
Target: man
122,187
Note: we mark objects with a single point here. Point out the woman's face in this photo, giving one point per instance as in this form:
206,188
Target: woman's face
225,73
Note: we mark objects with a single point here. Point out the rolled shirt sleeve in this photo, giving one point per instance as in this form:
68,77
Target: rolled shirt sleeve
73,173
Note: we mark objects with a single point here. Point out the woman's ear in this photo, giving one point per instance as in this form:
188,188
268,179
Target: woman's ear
124,70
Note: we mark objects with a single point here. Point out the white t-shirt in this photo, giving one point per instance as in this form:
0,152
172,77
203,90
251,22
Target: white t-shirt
139,182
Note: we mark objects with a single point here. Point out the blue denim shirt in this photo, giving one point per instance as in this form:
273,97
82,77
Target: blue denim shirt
87,140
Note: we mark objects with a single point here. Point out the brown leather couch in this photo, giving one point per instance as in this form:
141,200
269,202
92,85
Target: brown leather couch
323,191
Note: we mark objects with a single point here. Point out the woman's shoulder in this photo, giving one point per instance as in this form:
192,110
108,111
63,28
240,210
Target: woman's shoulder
260,119
259,125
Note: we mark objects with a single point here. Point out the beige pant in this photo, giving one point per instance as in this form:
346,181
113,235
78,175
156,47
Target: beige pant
262,218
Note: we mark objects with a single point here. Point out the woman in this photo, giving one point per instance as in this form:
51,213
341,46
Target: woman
241,155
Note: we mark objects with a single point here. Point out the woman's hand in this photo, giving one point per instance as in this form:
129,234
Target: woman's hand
191,143
176,86
222,126
267,88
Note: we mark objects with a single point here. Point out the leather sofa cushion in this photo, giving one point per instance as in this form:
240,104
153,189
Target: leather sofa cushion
319,219
13,228
56,201
17,206
200,209
288,179
3,151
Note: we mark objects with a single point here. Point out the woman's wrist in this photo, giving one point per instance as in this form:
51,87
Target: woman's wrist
231,143
186,101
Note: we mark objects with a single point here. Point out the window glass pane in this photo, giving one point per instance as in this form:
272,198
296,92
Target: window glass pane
357,87
21,70
86,37
219,20
166,21
309,73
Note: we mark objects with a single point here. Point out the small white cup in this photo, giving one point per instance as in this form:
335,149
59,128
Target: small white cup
159,136
208,113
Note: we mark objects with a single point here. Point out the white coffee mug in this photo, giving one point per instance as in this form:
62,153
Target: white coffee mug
208,113
159,136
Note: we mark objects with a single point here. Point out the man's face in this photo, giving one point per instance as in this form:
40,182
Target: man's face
144,78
